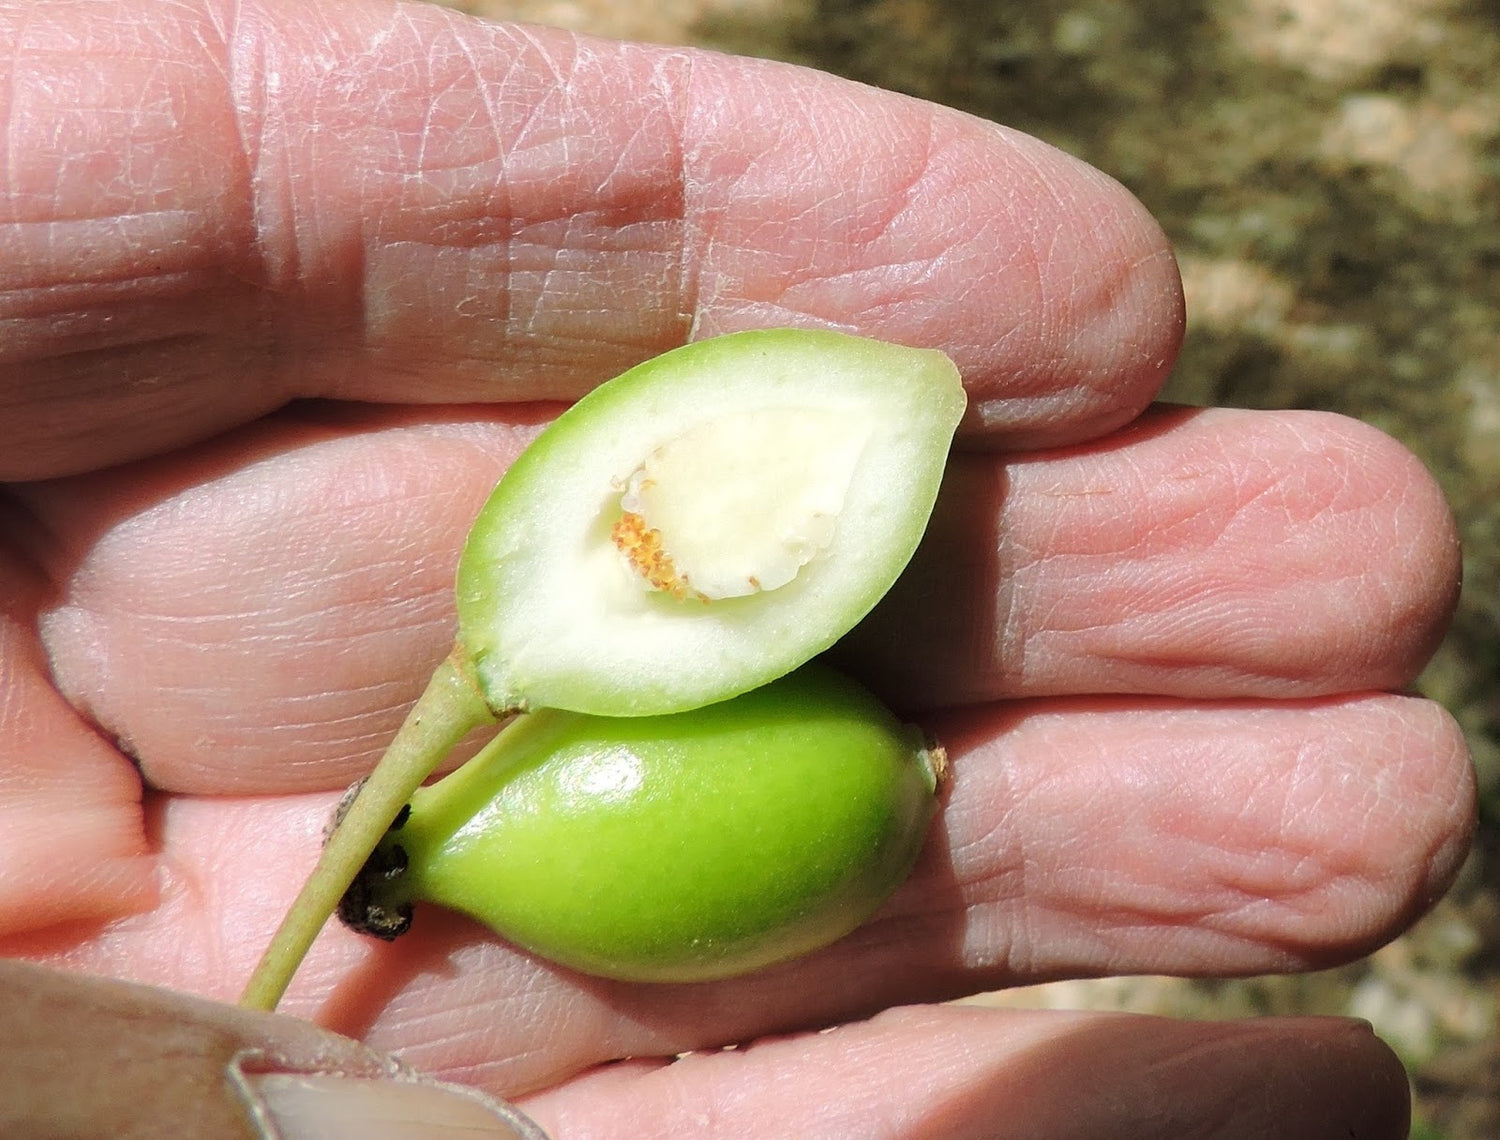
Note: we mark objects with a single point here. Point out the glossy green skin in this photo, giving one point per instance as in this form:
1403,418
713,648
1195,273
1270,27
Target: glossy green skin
680,848
539,636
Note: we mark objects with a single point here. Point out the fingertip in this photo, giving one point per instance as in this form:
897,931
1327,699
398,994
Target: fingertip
1418,563
1050,285
1341,1079
1432,537
1109,316
1447,781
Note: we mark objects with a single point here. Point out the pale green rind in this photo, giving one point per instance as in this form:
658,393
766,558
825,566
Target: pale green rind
679,848
550,615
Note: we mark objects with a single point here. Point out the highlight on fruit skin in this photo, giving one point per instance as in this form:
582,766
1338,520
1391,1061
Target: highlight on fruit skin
705,522
685,847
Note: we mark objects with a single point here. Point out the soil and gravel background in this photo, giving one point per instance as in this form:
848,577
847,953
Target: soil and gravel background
1329,172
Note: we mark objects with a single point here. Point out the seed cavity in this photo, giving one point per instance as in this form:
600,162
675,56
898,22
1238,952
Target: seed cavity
641,546
738,505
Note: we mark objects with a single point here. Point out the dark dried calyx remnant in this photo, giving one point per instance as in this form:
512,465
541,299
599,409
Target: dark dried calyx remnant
365,907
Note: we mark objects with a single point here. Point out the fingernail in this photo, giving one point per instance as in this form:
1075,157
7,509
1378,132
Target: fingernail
321,1106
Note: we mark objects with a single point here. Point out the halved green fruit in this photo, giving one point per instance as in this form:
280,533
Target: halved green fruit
677,848
705,522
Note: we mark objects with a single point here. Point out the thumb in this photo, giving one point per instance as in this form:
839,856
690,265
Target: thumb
88,1057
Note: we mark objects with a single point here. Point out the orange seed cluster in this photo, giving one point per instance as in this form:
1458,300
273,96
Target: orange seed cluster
641,545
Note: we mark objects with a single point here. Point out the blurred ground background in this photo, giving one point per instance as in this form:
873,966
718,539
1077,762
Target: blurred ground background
1329,172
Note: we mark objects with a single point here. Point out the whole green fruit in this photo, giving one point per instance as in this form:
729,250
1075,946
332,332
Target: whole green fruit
675,848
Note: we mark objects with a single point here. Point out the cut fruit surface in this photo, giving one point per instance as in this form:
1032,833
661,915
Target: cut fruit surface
705,523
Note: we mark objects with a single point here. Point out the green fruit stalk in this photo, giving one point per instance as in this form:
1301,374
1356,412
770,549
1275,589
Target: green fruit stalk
677,848
688,532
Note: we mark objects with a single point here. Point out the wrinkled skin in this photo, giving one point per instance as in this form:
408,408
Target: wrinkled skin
1163,647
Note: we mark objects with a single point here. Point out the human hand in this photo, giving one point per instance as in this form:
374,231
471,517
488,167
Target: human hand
210,211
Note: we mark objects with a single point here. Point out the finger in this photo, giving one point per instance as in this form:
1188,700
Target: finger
210,210
71,839
963,1072
84,1057
257,618
295,592
1202,553
1077,838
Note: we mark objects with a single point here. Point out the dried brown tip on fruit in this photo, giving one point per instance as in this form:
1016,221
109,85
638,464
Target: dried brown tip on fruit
936,757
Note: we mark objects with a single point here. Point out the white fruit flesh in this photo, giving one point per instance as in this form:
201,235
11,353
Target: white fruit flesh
738,506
